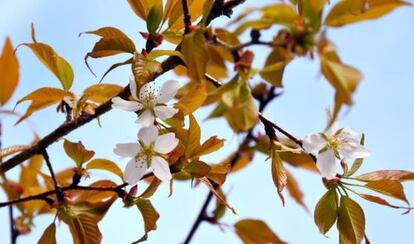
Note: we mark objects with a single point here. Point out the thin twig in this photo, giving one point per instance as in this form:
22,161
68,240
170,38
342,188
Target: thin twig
58,191
187,16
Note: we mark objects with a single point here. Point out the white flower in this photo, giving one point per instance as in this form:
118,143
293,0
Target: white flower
334,144
151,104
149,152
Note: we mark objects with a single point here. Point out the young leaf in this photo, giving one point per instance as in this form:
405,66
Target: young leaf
55,63
206,181
294,190
142,7
149,214
378,200
40,99
100,93
9,72
274,66
49,235
151,188
326,211
351,220
351,11
391,188
154,17
211,145
194,49
252,231
278,173
105,164
399,175
193,137
197,169
82,227
77,152
194,99
144,69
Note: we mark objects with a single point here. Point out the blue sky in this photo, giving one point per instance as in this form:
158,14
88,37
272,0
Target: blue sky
381,49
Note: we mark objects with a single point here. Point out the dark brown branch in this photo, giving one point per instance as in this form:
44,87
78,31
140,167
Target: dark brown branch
222,7
266,121
58,191
187,16
68,127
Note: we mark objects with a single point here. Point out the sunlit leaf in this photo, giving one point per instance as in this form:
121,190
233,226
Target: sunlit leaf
49,235
194,48
274,66
252,231
197,169
193,99
214,191
399,175
100,93
157,53
105,164
149,214
351,220
294,190
391,188
9,72
40,99
77,152
144,69
326,211
154,16
212,144
193,137
151,188
379,200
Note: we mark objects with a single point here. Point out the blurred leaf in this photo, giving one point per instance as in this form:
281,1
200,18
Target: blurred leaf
294,190
351,220
9,72
378,200
280,13
274,66
193,99
4,152
142,8
100,93
197,169
252,231
157,53
214,191
149,214
218,172
399,175
279,175
105,164
216,66
391,188
40,99
220,209
351,11
194,48
77,152
326,211
49,235
154,16
175,18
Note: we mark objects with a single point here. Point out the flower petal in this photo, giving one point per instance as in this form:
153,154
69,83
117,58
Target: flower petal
161,168
350,135
133,87
127,149
148,134
129,106
168,91
134,170
146,118
165,143
164,112
314,143
353,150
145,92
326,164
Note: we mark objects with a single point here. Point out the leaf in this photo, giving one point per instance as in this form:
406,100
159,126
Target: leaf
194,99
105,164
352,11
197,169
144,69
252,231
83,228
326,211
284,14
55,63
399,175
351,220
154,17
149,214
151,188
194,48
4,152
9,72
193,137
294,190
379,200
175,20
40,99
158,53
100,93
77,152
49,235
275,66
218,172
212,144
391,188
213,190
279,175
357,163
142,7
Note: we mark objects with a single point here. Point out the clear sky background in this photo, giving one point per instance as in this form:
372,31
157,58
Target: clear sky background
382,49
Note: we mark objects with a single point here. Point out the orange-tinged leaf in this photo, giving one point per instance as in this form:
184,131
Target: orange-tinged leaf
175,20
4,152
193,99
252,231
105,164
95,196
351,220
279,175
294,190
380,201
49,235
155,182
83,228
100,93
142,7
206,181
351,11
218,172
9,72
272,71
77,152
399,175
144,69
149,214
193,137
40,99
391,188
212,144
326,211
197,169
194,48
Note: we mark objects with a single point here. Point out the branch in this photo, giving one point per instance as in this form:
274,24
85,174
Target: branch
222,7
58,191
187,17
68,127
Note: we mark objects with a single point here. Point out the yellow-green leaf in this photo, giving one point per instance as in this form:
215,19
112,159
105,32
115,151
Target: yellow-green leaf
197,169
154,16
157,53
274,66
40,99
49,235
100,93
144,69
326,211
351,220
193,99
279,175
253,231
194,48
105,164
351,11
9,72
77,152
142,8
